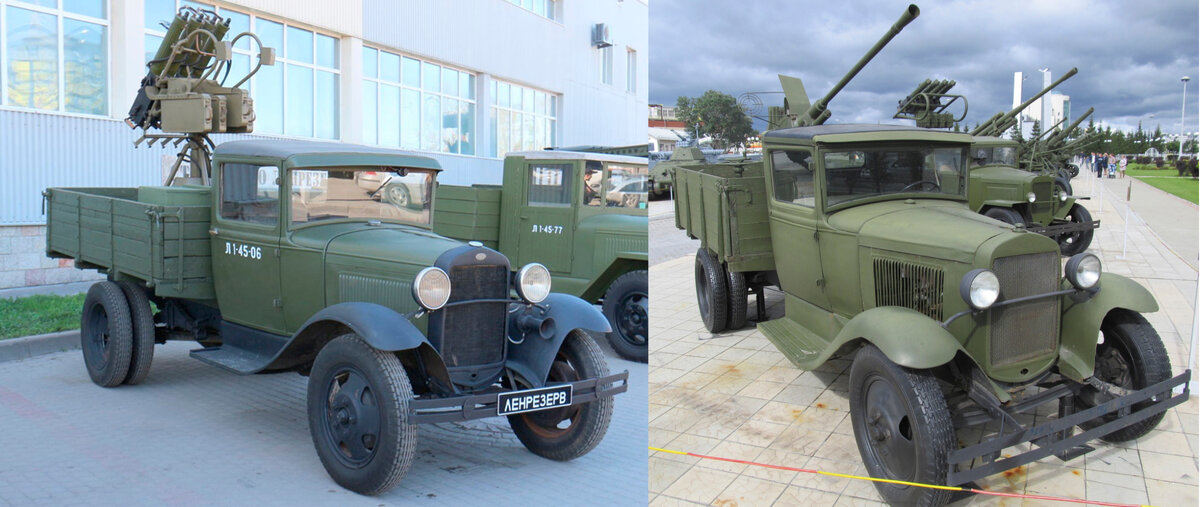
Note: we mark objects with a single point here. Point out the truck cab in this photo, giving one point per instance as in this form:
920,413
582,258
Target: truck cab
583,215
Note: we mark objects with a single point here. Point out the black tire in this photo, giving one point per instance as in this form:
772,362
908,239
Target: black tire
1062,184
737,299
712,291
902,427
1132,356
544,432
1073,170
142,318
364,440
1005,215
1078,241
106,334
627,308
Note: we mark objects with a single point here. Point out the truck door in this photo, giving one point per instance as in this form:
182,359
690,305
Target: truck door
793,221
547,214
245,247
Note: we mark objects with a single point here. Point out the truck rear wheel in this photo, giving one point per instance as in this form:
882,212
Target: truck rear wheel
712,291
566,433
106,333
1078,241
142,319
902,427
737,300
358,415
1132,356
627,307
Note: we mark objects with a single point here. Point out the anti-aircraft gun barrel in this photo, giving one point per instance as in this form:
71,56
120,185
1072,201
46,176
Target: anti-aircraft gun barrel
1061,135
816,114
997,126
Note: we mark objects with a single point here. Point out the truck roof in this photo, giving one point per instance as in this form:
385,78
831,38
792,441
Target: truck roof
300,153
578,155
993,140
860,132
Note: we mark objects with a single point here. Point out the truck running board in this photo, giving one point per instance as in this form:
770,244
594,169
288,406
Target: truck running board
243,350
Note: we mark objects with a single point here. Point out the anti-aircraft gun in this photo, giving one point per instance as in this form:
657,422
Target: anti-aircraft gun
1052,154
1002,122
182,97
927,105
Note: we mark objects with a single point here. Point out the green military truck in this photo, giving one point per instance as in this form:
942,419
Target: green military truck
1038,202
955,321
582,215
278,256
868,232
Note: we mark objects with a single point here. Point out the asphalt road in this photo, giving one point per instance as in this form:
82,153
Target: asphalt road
193,434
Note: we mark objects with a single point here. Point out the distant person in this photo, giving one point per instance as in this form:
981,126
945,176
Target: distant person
1112,166
1098,162
1121,165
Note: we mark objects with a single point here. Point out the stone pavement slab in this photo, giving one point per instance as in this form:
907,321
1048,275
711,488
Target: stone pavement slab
734,395
193,434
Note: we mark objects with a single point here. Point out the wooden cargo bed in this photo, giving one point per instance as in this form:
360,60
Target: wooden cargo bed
725,207
166,246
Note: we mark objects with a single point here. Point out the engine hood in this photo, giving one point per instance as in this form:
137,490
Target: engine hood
937,229
388,243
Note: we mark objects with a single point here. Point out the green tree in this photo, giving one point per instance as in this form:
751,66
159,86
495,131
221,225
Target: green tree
716,115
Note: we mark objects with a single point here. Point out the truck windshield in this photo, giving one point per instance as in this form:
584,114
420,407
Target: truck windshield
1000,155
859,173
367,193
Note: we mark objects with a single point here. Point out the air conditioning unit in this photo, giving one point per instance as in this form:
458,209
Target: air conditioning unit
600,36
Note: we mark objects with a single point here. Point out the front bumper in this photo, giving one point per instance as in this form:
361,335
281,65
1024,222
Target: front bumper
1054,437
1064,228
423,410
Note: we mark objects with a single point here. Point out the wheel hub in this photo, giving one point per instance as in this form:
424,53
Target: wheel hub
633,319
889,435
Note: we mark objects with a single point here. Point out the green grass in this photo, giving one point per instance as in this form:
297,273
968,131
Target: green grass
39,315
1167,180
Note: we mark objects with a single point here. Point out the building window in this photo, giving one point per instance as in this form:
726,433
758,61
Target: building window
522,118
606,65
631,71
545,8
55,56
416,104
298,96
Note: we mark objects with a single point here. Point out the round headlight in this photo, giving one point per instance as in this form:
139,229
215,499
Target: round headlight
1031,197
1062,197
431,288
979,288
533,282
1083,270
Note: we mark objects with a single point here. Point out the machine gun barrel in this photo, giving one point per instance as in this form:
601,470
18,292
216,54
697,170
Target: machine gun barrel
1007,118
816,112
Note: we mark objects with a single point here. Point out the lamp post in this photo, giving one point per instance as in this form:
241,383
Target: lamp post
1183,114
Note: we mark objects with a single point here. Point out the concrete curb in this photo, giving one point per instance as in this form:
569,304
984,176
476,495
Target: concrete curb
16,349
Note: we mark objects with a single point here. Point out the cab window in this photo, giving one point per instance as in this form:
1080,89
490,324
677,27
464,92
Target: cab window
250,193
792,175
623,186
550,185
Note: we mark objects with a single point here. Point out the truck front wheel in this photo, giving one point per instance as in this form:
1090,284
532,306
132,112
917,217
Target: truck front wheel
627,307
566,433
357,414
106,333
712,291
1132,356
1078,241
902,427
1005,215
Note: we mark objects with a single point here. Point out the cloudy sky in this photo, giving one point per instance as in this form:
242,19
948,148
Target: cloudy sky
1130,55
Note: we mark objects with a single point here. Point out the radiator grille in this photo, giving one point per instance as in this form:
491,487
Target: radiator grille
909,285
474,333
1030,329
1042,190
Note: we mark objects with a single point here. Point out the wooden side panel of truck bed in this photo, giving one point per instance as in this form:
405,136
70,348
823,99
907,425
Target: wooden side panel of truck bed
727,211
167,247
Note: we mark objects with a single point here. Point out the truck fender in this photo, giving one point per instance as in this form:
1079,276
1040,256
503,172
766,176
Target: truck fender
1081,321
907,337
380,326
531,353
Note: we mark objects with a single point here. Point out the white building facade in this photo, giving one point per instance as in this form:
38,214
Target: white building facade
464,81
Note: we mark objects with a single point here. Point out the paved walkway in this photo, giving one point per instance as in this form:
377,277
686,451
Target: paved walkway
734,395
193,434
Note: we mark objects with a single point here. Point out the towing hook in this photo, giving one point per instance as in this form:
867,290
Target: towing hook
542,326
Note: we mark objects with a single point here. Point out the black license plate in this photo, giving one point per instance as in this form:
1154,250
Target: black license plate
531,400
